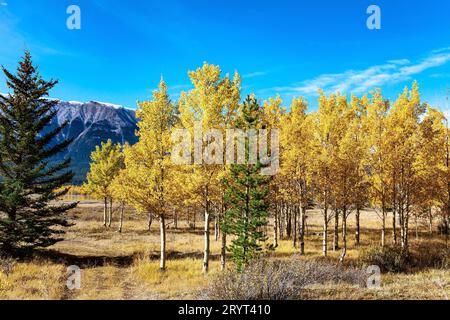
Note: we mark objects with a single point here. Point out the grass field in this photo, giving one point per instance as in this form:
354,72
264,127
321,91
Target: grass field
125,265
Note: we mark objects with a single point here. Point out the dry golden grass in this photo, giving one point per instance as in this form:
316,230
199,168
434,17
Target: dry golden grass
125,265
182,279
33,281
426,285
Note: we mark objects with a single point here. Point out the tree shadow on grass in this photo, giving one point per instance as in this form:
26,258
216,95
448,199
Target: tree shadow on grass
89,261
84,261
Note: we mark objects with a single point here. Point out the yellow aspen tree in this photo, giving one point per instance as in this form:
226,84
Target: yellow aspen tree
445,198
362,183
206,111
380,157
349,162
272,113
403,122
296,137
139,186
323,152
120,188
106,162
340,181
430,165
148,163
278,194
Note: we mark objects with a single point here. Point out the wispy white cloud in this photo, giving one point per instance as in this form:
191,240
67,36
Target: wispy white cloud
440,75
359,81
254,74
175,90
3,4
400,61
440,50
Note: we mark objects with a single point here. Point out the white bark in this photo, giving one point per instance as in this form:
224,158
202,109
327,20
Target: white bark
223,251
110,212
121,217
358,227
336,231
302,230
325,233
207,242
105,208
275,228
162,228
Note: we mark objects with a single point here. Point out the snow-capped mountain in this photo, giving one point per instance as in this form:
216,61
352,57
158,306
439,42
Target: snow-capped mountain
89,124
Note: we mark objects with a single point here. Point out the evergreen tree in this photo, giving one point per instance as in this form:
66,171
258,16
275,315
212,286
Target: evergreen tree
29,217
245,198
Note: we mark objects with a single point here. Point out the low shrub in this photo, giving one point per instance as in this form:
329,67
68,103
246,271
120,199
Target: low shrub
444,227
389,259
267,279
431,255
7,264
394,259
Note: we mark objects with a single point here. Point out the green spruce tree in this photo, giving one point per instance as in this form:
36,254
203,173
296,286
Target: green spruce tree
30,181
245,197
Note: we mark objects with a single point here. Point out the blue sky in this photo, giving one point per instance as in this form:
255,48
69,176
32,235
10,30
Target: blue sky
279,47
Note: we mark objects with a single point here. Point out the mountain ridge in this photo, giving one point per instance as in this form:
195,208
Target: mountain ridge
89,124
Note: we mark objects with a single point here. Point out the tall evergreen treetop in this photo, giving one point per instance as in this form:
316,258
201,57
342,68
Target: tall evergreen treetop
29,179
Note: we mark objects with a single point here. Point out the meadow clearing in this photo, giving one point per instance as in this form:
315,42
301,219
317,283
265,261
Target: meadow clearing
126,265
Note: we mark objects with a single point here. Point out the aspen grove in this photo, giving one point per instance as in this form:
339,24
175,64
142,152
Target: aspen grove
350,154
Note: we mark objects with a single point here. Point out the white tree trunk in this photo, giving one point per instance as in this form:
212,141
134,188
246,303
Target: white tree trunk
207,242
223,251
162,227
358,227
325,233
344,236
121,217
406,232
383,227
110,212
302,230
275,228
430,222
394,227
336,231
216,227
294,225
105,208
